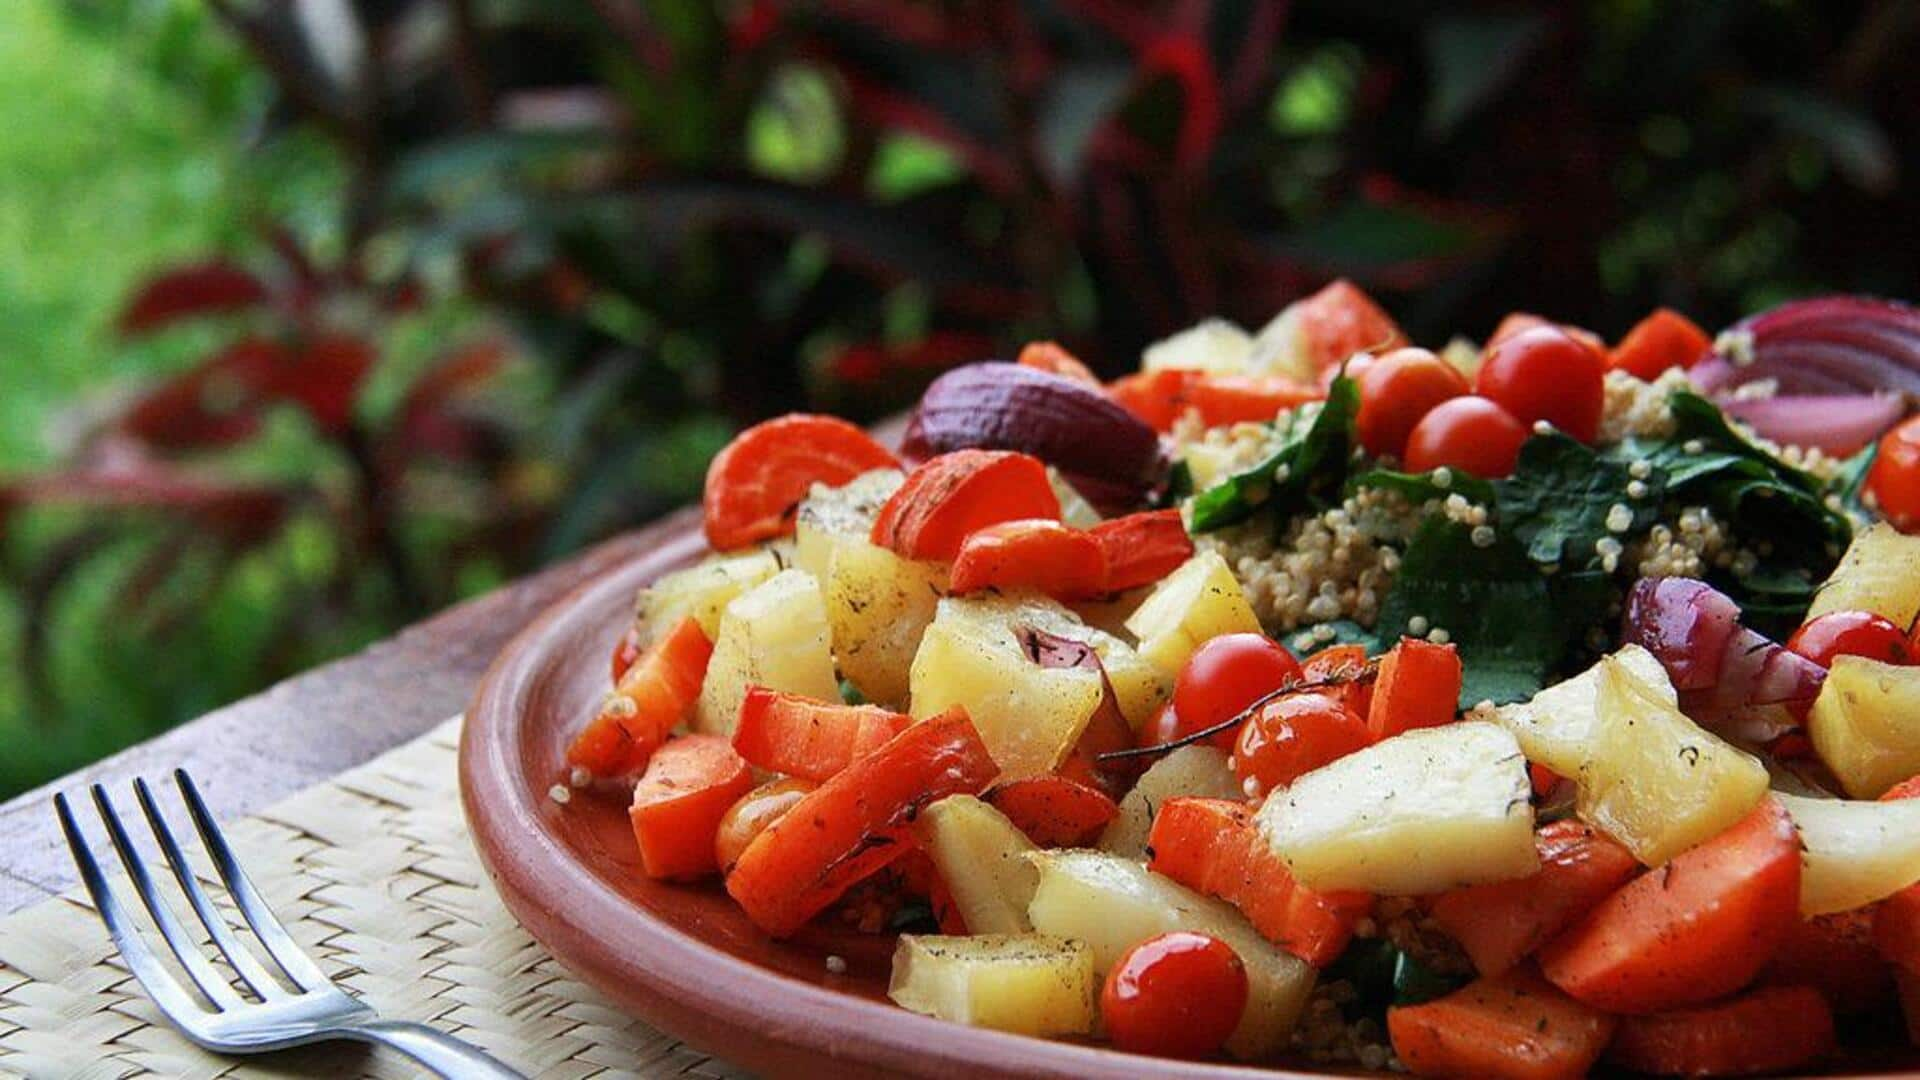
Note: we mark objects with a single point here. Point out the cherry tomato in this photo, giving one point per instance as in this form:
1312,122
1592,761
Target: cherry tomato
1396,391
1177,995
1543,373
749,817
1472,433
1226,675
1294,735
1517,321
1851,633
1355,368
1894,480
625,654
1161,728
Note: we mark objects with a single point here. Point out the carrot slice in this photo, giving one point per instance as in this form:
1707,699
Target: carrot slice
689,785
1698,928
1769,1030
656,693
955,495
1835,955
1050,357
1418,686
813,740
1513,1026
756,483
1233,399
1054,811
1344,662
1142,548
1662,340
857,822
1896,927
1212,846
1158,398
1038,554
1500,923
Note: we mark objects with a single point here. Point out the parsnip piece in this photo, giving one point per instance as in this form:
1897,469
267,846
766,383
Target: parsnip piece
1866,724
703,591
1029,984
774,636
1854,853
1113,903
982,857
1422,812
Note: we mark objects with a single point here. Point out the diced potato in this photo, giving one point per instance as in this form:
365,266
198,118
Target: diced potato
1422,812
1213,345
1029,984
1200,771
1194,604
1028,716
1108,614
1113,904
830,516
1139,686
1075,511
774,636
1280,348
1656,781
1854,853
1556,728
1866,724
1879,573
982,857
879,604
702,591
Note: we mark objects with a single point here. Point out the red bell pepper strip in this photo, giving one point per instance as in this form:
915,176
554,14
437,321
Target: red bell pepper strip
813,740
954,495
1140,549
689,785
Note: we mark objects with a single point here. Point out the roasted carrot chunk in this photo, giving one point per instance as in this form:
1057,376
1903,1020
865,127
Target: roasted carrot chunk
1896,925
756,483
1502,922
857,822
1050,357
1769,1030
1698,928
1662,340
689,785
1212,846
1512,1026
954,495
1038,554
656,692
798,736
1158,398
1054,811
1835,955
1418,686
1142,548
1233,399
1345,663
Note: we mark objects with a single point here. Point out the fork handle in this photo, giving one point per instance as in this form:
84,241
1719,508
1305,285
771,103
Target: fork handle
445,1055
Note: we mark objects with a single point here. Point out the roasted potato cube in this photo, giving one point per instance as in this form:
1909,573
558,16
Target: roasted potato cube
1854,853
982,857
774,636
1866,724
1194,604
1200,771
1029,984
1879,573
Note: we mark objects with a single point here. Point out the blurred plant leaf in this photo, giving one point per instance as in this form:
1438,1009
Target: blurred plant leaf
1856,145
1079,99
1367,238
213,287
1472,57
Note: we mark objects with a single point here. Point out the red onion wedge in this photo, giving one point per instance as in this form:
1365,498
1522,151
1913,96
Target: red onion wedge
1718,665
1108,454
1839,425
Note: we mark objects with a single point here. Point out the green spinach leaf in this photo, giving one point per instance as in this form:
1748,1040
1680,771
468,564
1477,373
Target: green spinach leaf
1309,466
1417,488
1562,496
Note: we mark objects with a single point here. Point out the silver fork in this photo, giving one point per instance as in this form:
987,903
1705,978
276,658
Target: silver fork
299,1006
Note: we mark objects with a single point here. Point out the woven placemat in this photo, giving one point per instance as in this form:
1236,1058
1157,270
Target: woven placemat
374,874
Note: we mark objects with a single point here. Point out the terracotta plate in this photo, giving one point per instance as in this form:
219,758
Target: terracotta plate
685,958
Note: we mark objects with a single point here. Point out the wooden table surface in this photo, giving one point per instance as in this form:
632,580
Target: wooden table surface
315,725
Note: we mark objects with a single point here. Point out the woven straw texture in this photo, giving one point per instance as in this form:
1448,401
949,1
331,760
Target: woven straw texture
374,874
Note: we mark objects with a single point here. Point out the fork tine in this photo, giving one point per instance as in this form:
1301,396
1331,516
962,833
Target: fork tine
280,945
167,992
251,971
211,983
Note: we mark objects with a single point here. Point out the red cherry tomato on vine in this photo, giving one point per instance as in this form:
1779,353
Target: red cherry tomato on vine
1398,389
1471,433
1224,676
1894,479
1177,995
1851,633
1544,374
1295,735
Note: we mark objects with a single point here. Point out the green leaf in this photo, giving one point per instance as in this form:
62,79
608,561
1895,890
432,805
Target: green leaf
1417,488
1310,465
1560,496
1308,639
1472,57
1852,479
